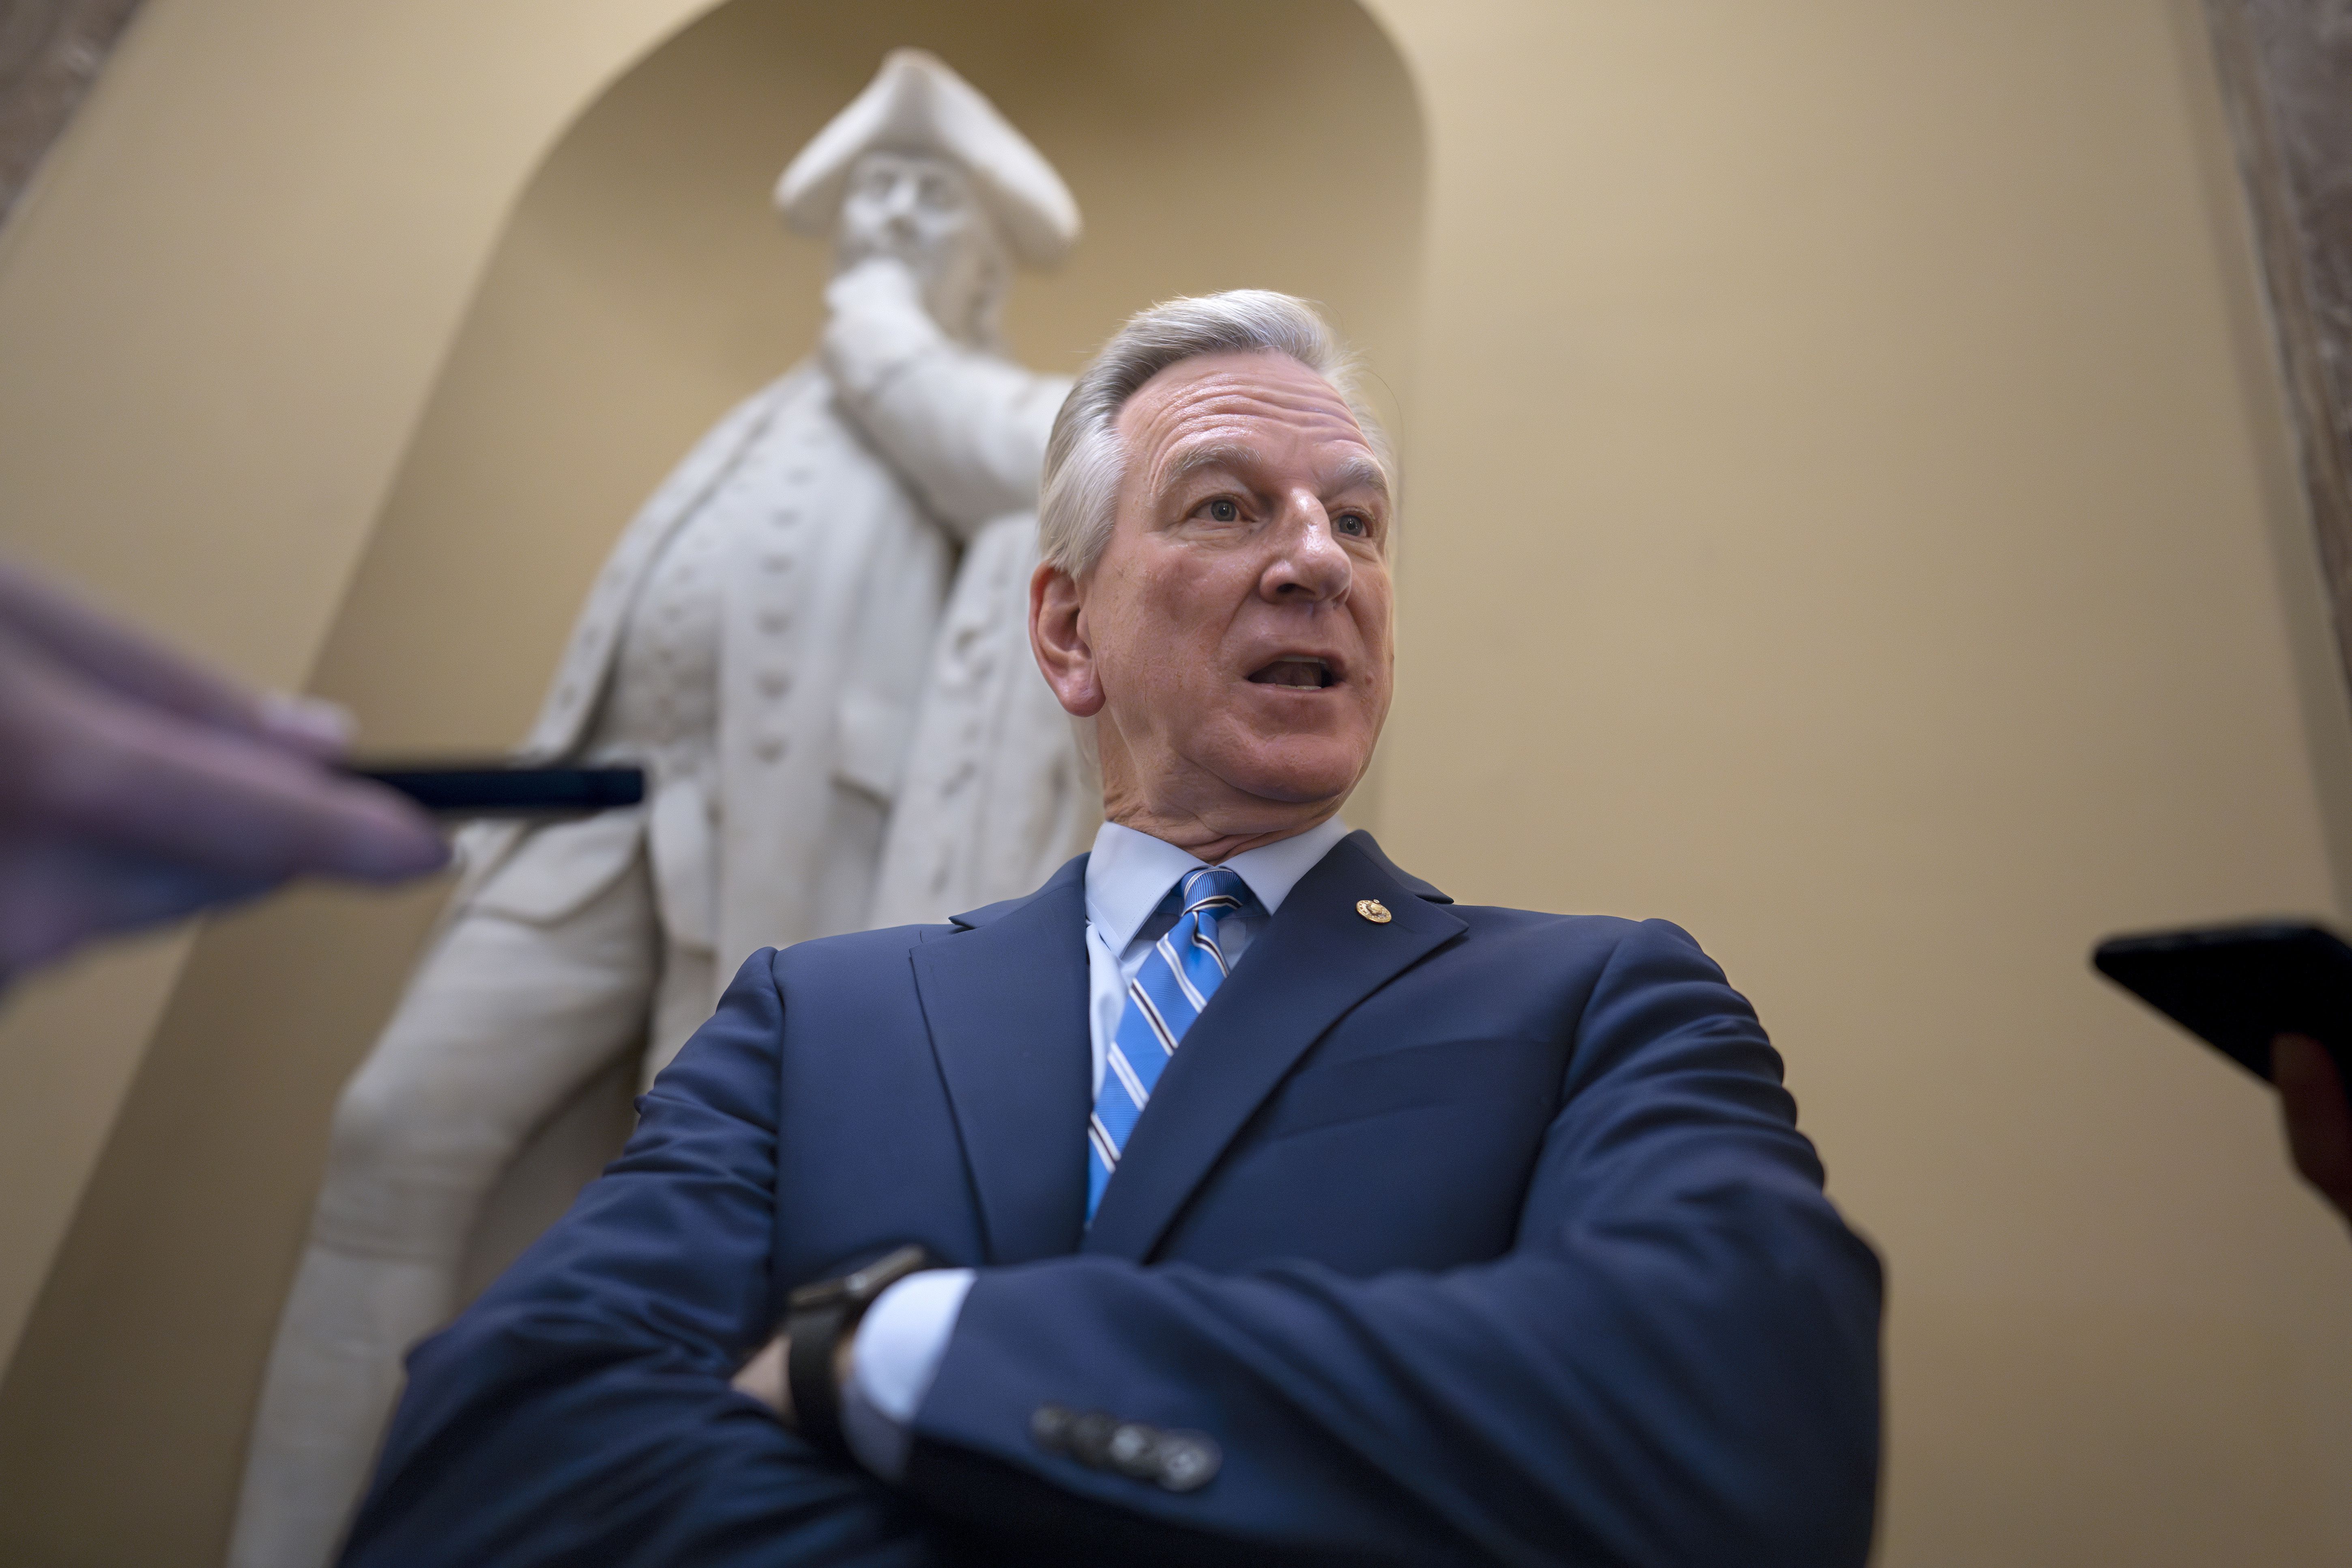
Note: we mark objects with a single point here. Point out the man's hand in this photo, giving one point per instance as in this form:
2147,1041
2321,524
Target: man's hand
764,1379
136,787
2319,1116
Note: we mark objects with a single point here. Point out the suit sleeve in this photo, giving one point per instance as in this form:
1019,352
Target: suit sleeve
1676,1364
581,1413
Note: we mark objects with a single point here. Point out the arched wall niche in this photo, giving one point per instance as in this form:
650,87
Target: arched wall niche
640,286
645,283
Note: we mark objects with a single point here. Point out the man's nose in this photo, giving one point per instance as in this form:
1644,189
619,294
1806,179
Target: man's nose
1309,562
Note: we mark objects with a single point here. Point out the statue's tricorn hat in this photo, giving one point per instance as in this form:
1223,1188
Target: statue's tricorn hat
916,104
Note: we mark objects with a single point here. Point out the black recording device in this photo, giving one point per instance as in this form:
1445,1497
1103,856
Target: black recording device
496,788
2238,987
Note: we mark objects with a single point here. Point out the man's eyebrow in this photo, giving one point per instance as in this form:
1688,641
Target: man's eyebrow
1359,472
1237,456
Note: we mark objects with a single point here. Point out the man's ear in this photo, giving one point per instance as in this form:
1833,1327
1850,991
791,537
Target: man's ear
1057,634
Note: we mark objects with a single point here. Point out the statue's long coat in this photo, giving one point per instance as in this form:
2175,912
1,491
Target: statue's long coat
849,488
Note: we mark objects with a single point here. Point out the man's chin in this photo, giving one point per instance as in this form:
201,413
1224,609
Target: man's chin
1296,776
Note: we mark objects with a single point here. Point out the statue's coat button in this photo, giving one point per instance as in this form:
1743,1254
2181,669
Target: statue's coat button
1374,911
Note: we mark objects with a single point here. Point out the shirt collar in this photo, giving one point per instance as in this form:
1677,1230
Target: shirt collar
1128,873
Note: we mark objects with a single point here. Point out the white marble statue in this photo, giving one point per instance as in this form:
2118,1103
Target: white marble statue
768,636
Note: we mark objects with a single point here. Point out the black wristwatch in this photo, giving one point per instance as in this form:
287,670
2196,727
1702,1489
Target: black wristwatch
816,1317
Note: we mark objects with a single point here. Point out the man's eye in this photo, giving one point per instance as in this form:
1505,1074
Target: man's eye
1353,524
1223,511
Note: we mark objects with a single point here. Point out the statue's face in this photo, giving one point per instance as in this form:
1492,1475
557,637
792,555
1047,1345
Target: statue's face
922,209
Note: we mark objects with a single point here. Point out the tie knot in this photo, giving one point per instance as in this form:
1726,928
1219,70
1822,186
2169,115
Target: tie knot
1215,889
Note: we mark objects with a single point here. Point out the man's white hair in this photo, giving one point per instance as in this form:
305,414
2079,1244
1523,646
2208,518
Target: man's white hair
1086,459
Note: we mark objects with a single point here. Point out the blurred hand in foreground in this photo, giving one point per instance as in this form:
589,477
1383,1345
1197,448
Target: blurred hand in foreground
2317,1114
136,787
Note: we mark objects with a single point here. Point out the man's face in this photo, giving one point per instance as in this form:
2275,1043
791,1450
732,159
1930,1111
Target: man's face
922,210
1238,621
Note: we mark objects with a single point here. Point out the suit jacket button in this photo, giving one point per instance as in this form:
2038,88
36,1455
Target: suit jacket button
1090,1438
1050,1426
1187,1460
1134,1450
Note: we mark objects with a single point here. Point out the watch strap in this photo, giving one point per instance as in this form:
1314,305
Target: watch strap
816,1318
808,1369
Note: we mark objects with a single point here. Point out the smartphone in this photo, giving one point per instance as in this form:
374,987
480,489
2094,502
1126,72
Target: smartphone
2237,986
496,788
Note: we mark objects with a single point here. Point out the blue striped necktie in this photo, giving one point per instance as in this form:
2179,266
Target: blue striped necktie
1178,976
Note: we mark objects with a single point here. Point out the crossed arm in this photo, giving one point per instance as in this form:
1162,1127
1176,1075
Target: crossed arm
1677,1364
581,1411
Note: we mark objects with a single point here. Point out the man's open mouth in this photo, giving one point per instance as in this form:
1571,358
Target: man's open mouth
1305,673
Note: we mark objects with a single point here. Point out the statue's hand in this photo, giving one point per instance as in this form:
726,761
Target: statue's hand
878,323
881,284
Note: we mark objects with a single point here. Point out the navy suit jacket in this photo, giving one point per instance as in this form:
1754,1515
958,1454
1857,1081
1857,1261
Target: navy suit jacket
1477,1236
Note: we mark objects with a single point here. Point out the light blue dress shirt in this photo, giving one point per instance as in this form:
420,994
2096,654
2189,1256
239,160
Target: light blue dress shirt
904,1333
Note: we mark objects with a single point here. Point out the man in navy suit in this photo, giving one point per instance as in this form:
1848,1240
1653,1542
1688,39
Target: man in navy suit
1234,1198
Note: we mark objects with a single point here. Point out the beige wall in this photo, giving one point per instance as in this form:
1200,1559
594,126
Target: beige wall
1850,515
1849,526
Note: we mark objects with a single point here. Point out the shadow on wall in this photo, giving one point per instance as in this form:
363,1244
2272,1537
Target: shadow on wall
641,287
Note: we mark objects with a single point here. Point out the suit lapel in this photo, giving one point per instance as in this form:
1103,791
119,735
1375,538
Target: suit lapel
1315,960
1006,1004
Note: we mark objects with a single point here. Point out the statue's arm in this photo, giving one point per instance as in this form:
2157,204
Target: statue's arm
967,430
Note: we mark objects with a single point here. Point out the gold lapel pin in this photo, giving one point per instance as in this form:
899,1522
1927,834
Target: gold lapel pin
1374,911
